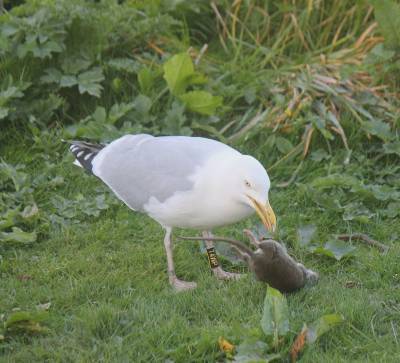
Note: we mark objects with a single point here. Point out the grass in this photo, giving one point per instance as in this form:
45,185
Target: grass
110,298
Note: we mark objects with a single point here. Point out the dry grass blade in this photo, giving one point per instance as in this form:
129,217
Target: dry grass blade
290,109
221,22
296,150
307,139
203,50
292,178
363,37
252,123
299,32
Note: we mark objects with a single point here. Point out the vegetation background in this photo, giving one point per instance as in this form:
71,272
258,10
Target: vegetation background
310,87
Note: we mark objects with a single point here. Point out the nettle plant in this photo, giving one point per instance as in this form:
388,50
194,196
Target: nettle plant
58,59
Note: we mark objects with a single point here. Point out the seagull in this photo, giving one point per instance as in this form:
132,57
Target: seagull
181,182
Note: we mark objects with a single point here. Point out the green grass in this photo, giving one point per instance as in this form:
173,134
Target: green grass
110,298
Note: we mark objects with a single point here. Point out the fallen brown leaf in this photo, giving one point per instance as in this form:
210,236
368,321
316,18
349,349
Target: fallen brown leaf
24,277
225,346
298,344
352,284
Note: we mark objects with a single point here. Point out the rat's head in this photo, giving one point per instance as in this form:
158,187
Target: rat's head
252,187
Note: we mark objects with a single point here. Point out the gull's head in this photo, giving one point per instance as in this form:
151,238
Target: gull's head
252,183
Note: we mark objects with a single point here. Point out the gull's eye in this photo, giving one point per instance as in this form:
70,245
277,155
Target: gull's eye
247,184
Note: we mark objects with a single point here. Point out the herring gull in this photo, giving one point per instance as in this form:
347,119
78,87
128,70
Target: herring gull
179,181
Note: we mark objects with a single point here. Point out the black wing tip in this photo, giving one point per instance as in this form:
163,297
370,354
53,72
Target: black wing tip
84,152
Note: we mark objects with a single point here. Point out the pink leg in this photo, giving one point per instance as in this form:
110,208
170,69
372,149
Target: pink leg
177,284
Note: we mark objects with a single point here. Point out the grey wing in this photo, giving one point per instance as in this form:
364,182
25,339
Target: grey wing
138,167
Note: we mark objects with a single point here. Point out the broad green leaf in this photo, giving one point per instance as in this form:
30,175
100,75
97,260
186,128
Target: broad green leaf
306,233
18,177
116,84
379,129
89,82
250,348
73,65
9,218
101,202
3,112
174,120
392,210
325,200
18,235
146,80
177,73
68,81
275,319
384,192
100,115
270,142
336,249
326,134
380,192
335,180
320,123
142,104
75,208
124,64
119,110
250,95
8,29
255,358
201,102
392,148
197,78
45,50
379,54
25,322
358,212
254,351
283,145
323,325
19,316
11,92
24,48
387,14
52,75
319,155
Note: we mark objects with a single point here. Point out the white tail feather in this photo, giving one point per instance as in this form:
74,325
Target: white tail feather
77,163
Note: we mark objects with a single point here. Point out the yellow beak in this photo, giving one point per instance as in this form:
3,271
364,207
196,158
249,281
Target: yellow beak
265,213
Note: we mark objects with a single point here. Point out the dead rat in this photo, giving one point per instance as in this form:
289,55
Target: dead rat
270,262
